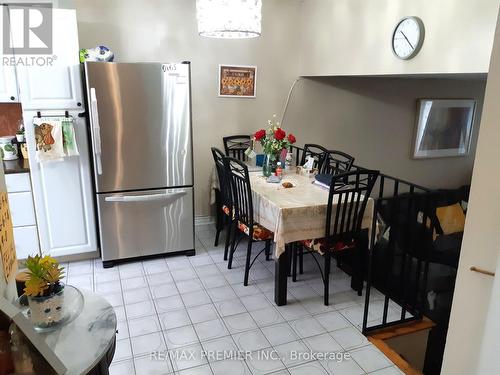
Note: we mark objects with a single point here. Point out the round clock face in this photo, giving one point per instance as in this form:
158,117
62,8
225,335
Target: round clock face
408,37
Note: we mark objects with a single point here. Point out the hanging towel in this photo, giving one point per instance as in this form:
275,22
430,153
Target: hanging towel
48,138
69,138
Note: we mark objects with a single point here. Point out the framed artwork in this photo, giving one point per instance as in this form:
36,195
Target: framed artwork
444,128
237,81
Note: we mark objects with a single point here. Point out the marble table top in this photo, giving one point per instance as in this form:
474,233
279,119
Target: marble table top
82,343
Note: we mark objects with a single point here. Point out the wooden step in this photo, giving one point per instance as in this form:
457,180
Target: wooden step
382,340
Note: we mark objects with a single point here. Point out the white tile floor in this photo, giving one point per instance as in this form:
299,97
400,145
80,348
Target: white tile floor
195,304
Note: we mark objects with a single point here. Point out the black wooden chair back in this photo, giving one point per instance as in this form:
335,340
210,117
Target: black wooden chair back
350,192
224,178
336,162
316,151
236,145
241,191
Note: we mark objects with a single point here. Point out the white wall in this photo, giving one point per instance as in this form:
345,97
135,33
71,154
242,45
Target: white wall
165,30
353,37
480,248
373,119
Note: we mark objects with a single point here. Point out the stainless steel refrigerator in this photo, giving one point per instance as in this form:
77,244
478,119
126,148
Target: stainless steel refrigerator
140,126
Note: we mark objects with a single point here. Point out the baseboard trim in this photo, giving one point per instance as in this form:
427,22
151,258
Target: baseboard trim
204,220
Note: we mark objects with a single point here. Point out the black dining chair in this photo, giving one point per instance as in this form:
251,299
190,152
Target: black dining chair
347,200
316,151
244,222
224,203
236,145
335,162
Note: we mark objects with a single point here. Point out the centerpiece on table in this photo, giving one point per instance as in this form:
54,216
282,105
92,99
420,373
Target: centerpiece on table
275,144
44,290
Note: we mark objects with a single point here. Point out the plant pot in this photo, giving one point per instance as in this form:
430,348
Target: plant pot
47,311
20,137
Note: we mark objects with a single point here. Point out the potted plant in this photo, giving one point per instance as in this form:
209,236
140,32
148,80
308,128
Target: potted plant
20,134
44,290
274,142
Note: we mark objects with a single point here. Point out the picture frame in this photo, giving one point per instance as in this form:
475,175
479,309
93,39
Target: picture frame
237,81
443,128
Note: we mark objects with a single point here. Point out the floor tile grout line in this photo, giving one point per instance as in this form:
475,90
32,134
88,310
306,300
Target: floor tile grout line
159,322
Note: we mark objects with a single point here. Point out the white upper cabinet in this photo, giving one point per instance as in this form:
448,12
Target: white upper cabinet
8,84
57,83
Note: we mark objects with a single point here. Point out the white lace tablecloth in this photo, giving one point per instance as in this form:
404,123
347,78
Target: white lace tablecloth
294,214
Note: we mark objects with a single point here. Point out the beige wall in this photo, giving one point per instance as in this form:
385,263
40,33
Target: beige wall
481,247
352,37
374,118
165,30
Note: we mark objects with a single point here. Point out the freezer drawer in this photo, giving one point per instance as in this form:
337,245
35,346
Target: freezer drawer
145,222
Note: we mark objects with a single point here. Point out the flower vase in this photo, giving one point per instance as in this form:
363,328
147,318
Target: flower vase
46,311
270,163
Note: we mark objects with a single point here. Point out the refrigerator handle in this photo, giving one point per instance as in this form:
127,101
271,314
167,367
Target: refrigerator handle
96,130
145,198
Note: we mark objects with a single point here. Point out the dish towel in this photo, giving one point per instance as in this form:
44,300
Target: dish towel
69,138
48,138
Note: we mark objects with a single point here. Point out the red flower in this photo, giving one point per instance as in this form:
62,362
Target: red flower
279,134
291,138
260,134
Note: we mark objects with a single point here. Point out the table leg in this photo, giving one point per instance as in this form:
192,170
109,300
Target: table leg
281,270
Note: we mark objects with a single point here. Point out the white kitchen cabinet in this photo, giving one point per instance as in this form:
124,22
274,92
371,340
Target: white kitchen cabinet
21,208
58,86
62,192
8,83
23,214
17,182
26,241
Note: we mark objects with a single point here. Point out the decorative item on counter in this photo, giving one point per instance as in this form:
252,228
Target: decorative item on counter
45,291
8,149
273,140
99,53
24,150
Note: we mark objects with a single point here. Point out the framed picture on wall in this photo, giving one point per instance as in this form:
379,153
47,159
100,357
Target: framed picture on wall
444,128
237,81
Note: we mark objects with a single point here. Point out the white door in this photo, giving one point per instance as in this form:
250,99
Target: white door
57,83
8,83
62,192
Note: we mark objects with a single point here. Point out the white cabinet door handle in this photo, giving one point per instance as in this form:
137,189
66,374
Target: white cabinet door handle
96,130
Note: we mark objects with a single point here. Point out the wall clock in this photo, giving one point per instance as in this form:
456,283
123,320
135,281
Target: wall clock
408,37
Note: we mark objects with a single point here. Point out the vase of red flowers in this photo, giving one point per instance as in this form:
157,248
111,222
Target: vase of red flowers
275,143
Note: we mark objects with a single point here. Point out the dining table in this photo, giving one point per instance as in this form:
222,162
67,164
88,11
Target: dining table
293,214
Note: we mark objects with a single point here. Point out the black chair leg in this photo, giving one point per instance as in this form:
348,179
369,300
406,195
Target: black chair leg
301,258
233,244
247,263
229,229
268,250
219,221
326,281
295,249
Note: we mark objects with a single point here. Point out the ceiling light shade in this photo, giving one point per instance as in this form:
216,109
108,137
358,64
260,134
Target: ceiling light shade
229,18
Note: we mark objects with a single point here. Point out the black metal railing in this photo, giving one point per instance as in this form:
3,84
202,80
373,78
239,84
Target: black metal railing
398,260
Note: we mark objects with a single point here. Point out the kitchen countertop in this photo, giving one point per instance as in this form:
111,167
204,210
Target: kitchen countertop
16,166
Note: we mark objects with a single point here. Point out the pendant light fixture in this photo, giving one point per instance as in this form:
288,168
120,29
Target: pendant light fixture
229,18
